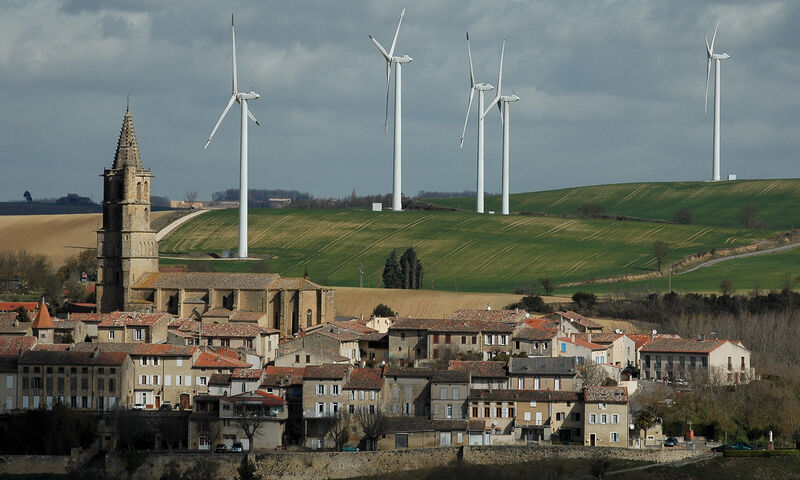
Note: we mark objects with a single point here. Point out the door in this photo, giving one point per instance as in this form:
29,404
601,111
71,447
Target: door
475,438
158,401
591,440
184,401
400,440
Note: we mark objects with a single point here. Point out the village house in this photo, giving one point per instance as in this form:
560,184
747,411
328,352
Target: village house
94,380
259,345
69,331
621,349
489,375
534,342
323,397
310,356
586,351
449,390
326,338
132,327
287,383
405,432
605,416
685,358
571,322
543,373
10,325
544,416
406,391
496,409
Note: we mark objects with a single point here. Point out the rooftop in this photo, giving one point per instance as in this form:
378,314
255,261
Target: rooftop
479,369
10,345
364,379
541,366
606,394
523,395
44,357
328,371
678,345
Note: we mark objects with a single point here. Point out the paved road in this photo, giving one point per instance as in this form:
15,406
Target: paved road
741,255
177,223
678,463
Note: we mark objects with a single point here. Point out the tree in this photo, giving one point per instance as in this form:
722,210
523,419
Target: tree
661,252
547,285
27,196
645,421
382,310
410,270
65,338
748,217
22,314
203,469
373,425
590,209
247,470
584,300
191,197
590,374
339,429
683,216
391,272
171,428
726,287
207,426
249,418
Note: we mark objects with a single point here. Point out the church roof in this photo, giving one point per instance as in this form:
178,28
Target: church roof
222,281
43,319
127,148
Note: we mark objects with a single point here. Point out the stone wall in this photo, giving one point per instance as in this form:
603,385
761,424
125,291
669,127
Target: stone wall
312,465
57,464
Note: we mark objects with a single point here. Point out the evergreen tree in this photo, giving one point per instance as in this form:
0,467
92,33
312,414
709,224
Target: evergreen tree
391,272
411,270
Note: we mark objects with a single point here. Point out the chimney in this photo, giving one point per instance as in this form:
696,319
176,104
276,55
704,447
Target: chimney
589,336
516,310
95,352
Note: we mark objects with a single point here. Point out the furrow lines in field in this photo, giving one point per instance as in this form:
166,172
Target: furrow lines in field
668,190
311,231
562,199
695,236
632,194
264,231
459,248
636,259
574,267
348,233
768,188
598,232
488,261
529,264
697,192
647,233
556,228
372,245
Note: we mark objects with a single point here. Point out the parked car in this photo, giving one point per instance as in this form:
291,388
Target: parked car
350,448
733,446
138,406
165,407
237,447
671,442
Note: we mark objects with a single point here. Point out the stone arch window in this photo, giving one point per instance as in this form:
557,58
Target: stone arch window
308,317
138,191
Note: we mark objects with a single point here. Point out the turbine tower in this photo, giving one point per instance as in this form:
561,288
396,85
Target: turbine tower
241,98
502,102
717,57
480,88
397,62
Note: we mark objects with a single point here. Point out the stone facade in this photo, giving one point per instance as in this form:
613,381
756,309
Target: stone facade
126,245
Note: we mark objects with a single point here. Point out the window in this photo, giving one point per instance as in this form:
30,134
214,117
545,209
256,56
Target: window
486,411
334,389
474,412
604,418
730,363
743,365
533,403
505,412
615,418
178,362
84,383
443,393
592,418
614,437
100,384
474,339
143,380
402,335
520,383
320,408
601,406
435,338
559,416
203,380
395,392
563,347
527,416
111,334
308,358
408,392
111,384
297,359
488,340
558,384
156,380
320,389
456,393
449,411
576,416
447,338
138,333
406,409
463,339
536,383
352,394
437,409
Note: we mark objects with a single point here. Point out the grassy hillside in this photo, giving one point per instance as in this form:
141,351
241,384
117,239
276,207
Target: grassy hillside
466,252
718,204
765,272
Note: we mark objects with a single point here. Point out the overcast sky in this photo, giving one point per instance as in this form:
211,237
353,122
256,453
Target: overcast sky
610,92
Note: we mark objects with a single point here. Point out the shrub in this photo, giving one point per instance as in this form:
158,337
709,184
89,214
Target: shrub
584,300
683,216
382,310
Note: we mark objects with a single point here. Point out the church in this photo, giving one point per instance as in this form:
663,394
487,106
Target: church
128,277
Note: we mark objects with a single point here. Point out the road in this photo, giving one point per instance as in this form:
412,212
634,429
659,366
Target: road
741,255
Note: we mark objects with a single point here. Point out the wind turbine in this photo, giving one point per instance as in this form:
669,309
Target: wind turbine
716,57
241,98
398,62
480,88
502,102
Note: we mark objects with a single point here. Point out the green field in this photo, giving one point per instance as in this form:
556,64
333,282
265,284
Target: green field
765,272
459,250
718,204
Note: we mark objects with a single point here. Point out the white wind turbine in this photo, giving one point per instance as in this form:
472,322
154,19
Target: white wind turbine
480,88
397,193
502,102
242,99
716,57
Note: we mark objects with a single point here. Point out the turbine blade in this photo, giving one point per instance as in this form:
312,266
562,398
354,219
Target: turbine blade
714,37
471,72
221,117
708,74
500,75
233,36
380,47
396,32
253,118
708,48
388,75
469,107
495,101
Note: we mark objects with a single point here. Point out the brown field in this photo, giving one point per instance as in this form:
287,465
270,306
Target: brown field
57,236
353,301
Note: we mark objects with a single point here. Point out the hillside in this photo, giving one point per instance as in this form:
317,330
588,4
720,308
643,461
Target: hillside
460,251
717,204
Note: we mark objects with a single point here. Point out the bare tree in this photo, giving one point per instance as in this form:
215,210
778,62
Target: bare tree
372,424
207,426
249,418
339,429
171,428
191,197
661,252
590,374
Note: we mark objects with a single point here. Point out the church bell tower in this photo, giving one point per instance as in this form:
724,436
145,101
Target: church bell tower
126,245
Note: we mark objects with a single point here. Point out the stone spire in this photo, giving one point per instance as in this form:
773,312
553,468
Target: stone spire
127,148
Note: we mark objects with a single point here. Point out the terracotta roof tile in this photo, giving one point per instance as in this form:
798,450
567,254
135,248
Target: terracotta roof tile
331,371
364,379
237,330
280,381
212,360
522,395
297,371
219,379
605,394
583,343
9,306
393,371
575,317
527,332
480,369
132,319
43,320
564,366
44,357
688,345
247,374
450,376
9,323
10,345
490,315
453,325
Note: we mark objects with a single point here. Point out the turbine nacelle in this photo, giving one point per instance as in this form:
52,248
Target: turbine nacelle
483,87
403,59
509,98
251,95
720,56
